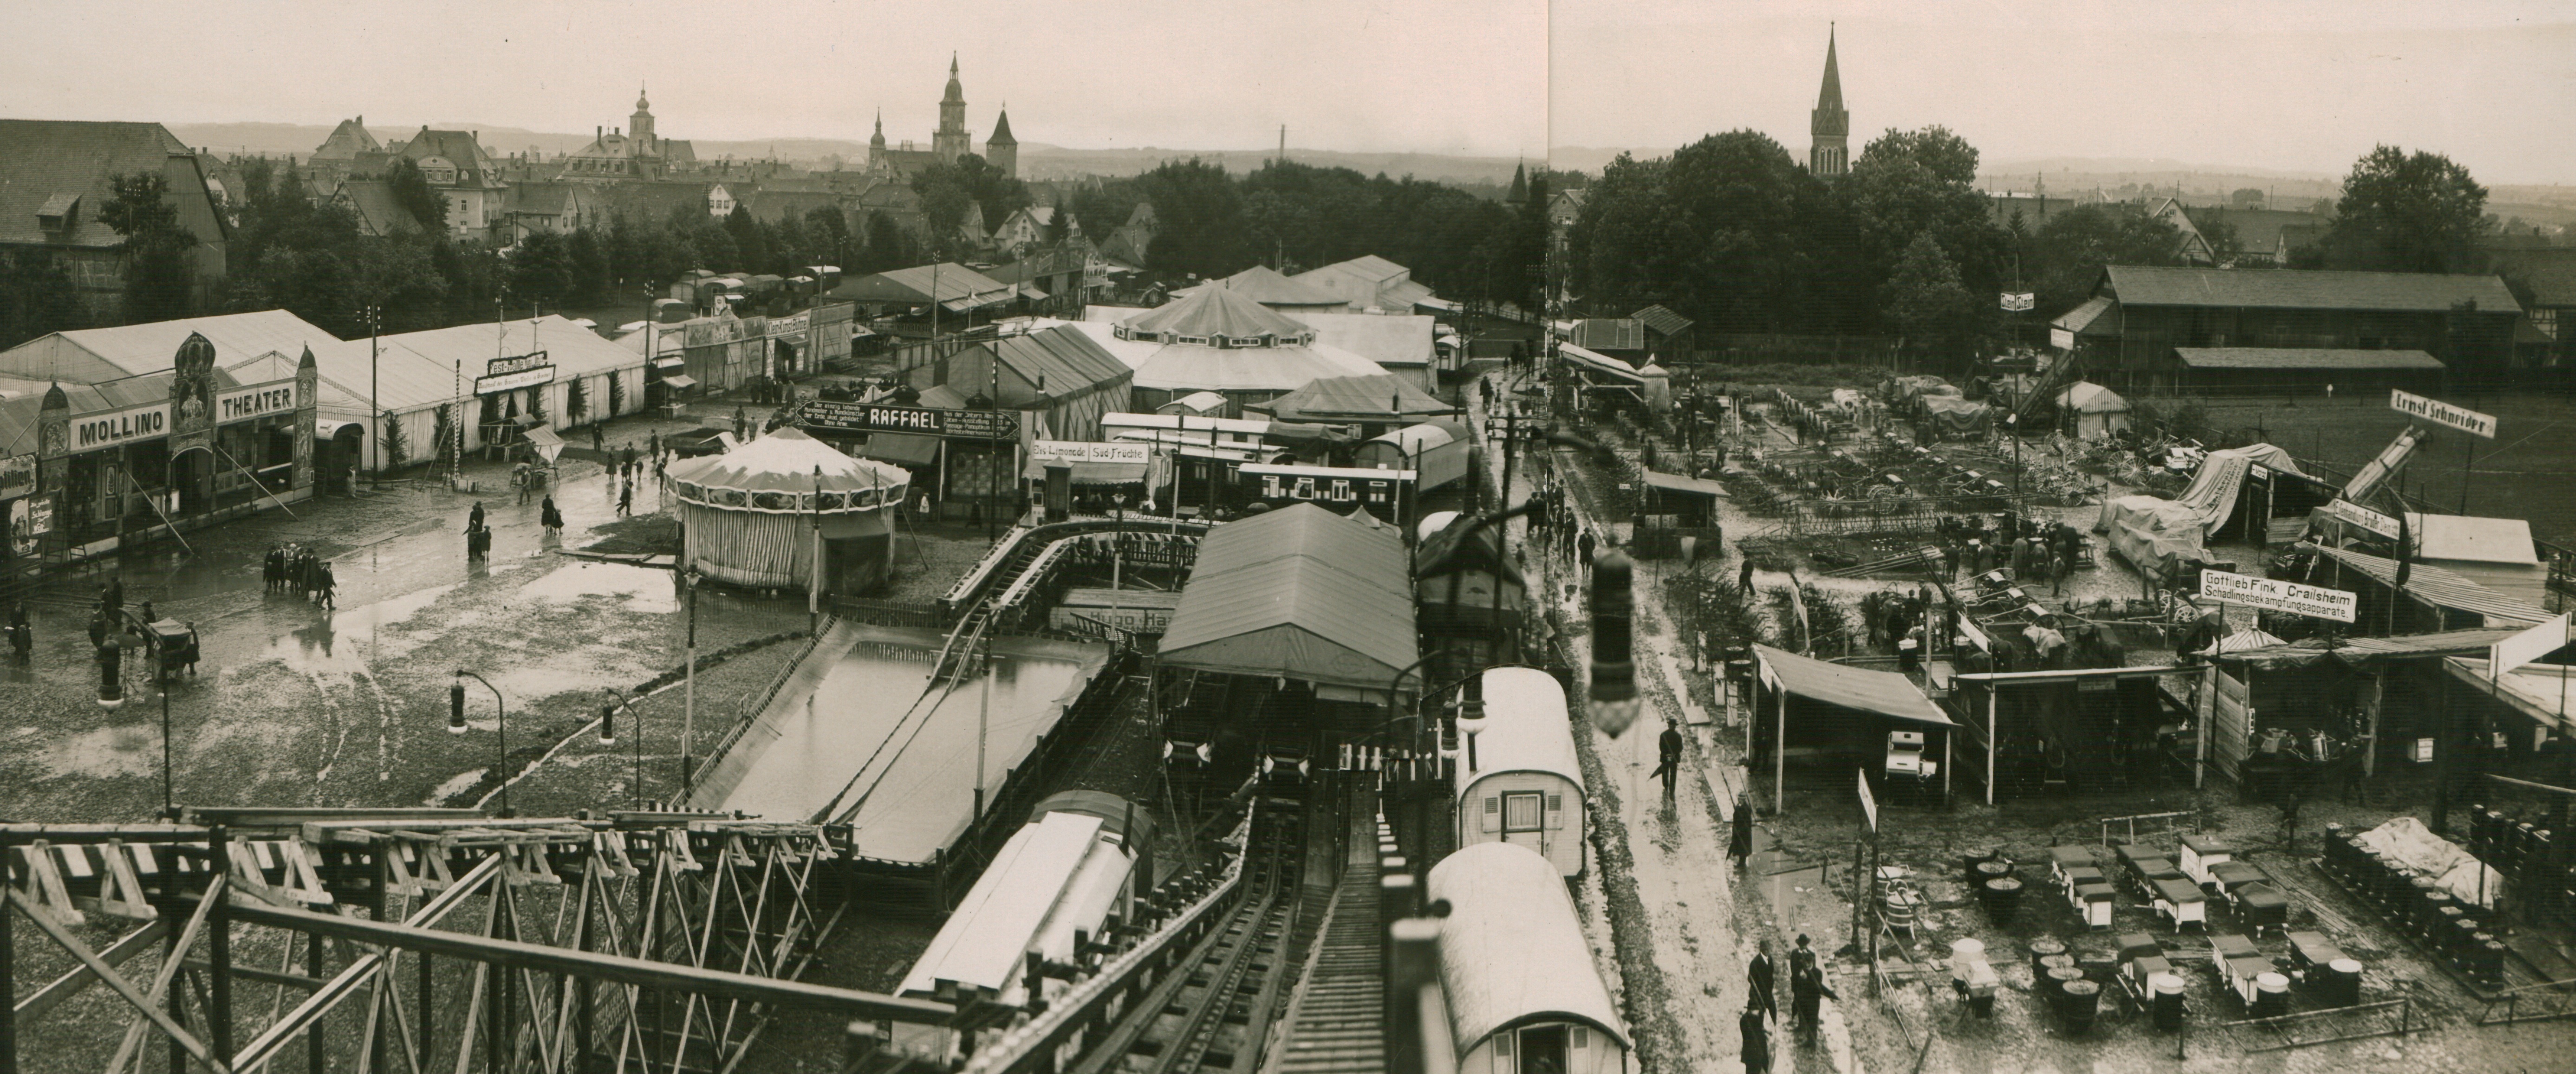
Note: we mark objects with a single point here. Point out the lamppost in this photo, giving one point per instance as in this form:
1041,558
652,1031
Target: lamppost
608,737
689,692
456,725
374,316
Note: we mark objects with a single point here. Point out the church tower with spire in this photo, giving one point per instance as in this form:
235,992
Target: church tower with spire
950,142
640,125
1829,153
1000,149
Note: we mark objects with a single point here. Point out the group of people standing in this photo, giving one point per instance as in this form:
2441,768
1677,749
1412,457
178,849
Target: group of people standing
1807,994
299,570
2034,551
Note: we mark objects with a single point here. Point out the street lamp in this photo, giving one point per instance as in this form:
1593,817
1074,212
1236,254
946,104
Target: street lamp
689,692
608,737
456,725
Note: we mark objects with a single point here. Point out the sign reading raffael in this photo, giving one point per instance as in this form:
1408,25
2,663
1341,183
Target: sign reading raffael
2311,601
2441,413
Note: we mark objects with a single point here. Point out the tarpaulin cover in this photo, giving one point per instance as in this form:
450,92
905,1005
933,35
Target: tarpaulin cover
2145,530
1952,416
1886,693
2415,846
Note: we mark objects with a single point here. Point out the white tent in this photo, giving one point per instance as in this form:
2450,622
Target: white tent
2096,411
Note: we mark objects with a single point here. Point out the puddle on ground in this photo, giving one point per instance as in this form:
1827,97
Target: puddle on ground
641,589
323,642
130,749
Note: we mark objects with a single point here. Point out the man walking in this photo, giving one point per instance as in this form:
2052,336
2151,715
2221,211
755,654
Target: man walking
324,585
1757,1041
1758,981
1807,994
626,498
1744,578
1739,845
1670,746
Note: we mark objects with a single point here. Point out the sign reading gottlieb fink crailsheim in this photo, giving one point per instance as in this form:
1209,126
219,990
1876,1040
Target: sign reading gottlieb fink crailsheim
831,416
2311,601
2441,413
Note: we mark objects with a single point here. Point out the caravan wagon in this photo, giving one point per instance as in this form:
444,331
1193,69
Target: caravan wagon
1523,992
1518,779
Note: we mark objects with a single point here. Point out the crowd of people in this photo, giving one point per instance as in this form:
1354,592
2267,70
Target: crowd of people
297,569
2033,551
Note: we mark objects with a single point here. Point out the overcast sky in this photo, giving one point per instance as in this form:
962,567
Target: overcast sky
1440,76
2297,85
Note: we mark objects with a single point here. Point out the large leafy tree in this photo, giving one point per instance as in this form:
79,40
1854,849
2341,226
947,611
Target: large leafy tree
1200,213
412,191
2406,212
2065,256
156,246
1926,301
947,189
36,296
1910,184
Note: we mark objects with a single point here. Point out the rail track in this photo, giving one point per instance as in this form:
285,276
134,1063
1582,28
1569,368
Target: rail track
1212,1010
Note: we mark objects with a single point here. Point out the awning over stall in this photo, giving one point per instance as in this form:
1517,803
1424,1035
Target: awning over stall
2438,587
1883,692
2540,691
2363,652
1678,483
1298,593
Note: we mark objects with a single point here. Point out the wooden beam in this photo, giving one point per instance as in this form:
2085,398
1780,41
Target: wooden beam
2529,785
123,987
603,967
250,973
71,984
330,994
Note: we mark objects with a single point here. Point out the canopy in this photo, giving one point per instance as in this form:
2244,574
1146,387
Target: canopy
1953,416
2540,691
548,444
2086,397
2222,473
1384,397
1299,593
1678,483
786,461
2438,587
1883,692
902,449
1512,948
2364,652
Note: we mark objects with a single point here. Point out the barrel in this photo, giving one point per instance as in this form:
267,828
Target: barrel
2083,998
2486,964
2336,848
2271,995
2002,896
2165,990
1988,870
2040,950
2340,983
2053,990
2430,901
1974,857
2461,936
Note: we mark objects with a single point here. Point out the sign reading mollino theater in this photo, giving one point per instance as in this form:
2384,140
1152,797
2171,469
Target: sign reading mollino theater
512,374
108,430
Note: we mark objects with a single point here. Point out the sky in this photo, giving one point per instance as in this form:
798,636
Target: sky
2301,86
2288,85
1361,75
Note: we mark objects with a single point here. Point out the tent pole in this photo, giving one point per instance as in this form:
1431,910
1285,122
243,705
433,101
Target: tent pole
1780,755
1993,692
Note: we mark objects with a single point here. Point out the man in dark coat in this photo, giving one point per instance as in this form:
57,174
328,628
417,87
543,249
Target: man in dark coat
1744,577
1757,1042
1807,994
1669,746
474,518
1739,845
323,585
1758,977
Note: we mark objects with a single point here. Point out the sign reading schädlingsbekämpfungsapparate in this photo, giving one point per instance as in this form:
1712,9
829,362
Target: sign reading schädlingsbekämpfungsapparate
2441,413
2311,601
512,374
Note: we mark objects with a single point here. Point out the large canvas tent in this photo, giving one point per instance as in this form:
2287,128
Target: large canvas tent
1299,593
2093,410
2149,531
749,515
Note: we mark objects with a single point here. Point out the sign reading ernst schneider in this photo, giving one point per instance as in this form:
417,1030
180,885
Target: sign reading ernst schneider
2441,413
882,418
512,374
2311,601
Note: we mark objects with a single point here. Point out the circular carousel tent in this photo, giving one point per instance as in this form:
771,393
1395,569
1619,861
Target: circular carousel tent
748,515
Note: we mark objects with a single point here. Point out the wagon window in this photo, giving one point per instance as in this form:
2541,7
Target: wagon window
1579,1037
1493,811
1520,812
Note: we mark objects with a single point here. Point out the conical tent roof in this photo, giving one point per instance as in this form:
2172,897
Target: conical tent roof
1216,311
785,461
1383,397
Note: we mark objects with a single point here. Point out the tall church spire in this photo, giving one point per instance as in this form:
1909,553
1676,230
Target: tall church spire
1830,126
950,142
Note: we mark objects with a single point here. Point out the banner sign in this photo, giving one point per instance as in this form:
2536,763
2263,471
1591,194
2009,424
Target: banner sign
2346,511
255,402
512,374
715,332
1327,485
2523,648
109,430
1090,451
2061,339
882,418
29,520
2019,301
790,328
17,475
2441,413
2311,601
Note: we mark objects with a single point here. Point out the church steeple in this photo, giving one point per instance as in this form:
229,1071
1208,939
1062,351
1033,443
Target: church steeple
950,142
1000,149
1830,126
641,123
1520,186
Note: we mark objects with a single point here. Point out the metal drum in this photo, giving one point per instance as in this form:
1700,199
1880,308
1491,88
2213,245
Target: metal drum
2271,995
2166,988
2002,896
2040,950
2052,991
2339,983
2083,999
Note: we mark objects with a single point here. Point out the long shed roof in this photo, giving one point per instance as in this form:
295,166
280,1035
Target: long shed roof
2136,285
1301,593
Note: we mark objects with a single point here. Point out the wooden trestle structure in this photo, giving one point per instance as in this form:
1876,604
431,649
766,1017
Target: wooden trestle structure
413,941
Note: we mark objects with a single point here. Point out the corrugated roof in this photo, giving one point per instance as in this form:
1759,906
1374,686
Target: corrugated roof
1217,311
2081,319
2137,285
2302,358
1884,692
2540,691
2439,587
955,285
90,355
1064,359
1681,483
1610,334
1512,948
1265,285
1383,397
1660,320
2361,652
1299,592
